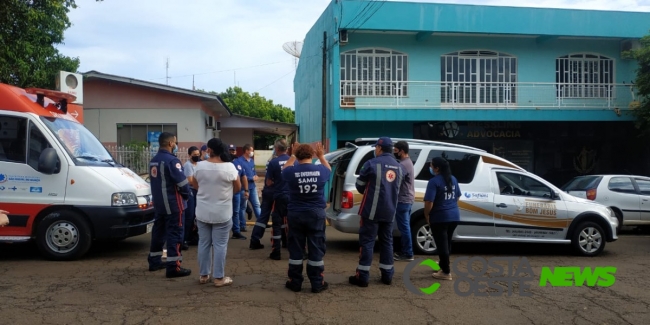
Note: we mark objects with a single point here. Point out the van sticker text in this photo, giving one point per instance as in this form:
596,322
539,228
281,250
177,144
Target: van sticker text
19,179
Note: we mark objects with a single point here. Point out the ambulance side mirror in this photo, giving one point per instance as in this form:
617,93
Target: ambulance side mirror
48,162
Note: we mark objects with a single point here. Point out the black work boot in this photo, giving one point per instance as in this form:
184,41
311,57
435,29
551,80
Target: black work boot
323,287
275,256
292,286
255,245
355,281
180,273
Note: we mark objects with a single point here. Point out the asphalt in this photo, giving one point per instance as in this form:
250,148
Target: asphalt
112,285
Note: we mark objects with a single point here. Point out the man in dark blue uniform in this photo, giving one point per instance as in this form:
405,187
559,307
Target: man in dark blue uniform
170,190
379,180
280,196
306,215
261,224
237,197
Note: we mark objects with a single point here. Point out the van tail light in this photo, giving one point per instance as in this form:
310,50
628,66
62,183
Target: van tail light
347,200
591,194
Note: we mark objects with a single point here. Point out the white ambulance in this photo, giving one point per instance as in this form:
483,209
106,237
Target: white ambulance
58,183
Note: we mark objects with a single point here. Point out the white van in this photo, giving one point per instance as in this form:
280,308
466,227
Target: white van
501,201
59,184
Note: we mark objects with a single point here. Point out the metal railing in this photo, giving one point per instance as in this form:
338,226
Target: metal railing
490,95
137,158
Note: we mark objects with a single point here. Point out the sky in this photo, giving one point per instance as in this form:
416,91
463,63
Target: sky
216,44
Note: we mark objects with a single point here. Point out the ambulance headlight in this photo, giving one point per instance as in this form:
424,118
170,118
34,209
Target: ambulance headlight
124,199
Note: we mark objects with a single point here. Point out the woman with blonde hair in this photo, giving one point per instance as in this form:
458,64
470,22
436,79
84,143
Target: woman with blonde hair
217,180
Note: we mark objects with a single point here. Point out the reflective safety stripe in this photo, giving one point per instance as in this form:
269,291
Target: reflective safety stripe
295,262
183,183
153,164
164,188
259,224
375,199
277,237
360,182
385,267
363,268
315,263
155,253
175,258
283,226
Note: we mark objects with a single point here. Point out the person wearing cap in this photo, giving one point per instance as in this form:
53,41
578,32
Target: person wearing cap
204,152
379,180
405,201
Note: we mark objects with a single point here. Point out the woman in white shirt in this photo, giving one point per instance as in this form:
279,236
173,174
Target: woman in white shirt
217,180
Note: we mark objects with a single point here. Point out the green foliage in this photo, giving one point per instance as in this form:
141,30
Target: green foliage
641,108
29,31
254,105
134,144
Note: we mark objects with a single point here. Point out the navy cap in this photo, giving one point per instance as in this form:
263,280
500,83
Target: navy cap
384,142
204,147
232,147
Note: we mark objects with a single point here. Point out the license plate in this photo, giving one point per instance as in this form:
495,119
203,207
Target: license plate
149,227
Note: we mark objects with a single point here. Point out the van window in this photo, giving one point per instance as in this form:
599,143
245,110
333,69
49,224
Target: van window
520,185
621,185
13,139
462,164
413,154
37,143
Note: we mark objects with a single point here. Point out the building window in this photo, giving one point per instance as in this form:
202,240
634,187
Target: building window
374,73
138,133
478,77
584,76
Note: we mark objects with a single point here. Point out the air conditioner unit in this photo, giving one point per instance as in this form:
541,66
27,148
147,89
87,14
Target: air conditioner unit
71,83
211,123
343,36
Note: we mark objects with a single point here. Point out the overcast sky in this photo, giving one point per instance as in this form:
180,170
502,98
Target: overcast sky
205,37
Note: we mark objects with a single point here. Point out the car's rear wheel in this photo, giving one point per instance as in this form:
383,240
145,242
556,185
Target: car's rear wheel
588,239
422,237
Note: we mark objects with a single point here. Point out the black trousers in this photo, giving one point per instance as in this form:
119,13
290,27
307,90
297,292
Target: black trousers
442,235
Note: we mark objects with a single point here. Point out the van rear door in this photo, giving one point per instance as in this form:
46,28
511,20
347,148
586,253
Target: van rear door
339,161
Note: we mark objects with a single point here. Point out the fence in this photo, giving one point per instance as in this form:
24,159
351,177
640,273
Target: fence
137,158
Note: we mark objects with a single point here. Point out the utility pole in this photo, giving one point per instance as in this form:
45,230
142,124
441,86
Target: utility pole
193,83
324,121
167,70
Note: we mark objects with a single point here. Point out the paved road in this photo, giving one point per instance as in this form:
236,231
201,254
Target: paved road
112,286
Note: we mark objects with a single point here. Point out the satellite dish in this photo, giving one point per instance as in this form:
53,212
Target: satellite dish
293,48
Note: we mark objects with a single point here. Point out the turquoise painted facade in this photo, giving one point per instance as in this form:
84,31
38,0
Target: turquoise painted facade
559,70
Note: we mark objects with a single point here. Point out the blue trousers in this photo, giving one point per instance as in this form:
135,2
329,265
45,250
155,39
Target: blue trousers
368,231
167,227
403,218
306,228
279,216
190,215
265,214
255,201
236,211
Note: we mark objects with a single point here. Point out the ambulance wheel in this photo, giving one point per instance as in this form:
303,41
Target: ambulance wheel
422,237
63,236
588,239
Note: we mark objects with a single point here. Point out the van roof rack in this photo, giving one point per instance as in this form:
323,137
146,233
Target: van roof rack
437,143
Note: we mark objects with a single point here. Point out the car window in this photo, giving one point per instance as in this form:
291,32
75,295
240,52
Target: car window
13,139
520,185
413,154
37,143
621,185
644,186
463,165
582,183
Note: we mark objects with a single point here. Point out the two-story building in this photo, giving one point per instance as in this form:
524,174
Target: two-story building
549,89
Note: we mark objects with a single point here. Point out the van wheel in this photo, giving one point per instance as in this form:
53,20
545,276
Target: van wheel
63,236
422,237
588,239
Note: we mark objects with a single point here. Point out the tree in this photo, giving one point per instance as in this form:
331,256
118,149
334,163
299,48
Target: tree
641,108
29,31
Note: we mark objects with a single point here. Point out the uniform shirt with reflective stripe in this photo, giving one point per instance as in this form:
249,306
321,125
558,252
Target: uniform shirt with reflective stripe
168,183
274,173
380,180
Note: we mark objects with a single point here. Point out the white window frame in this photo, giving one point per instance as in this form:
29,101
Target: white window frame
374,72
491,79
585,75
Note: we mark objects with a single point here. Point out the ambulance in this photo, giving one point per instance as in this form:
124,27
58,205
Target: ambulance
58,183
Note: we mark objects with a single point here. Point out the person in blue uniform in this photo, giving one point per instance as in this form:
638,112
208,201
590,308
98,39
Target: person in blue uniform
250,190
238,197
280,196
170,191
306,215
379,180
265,211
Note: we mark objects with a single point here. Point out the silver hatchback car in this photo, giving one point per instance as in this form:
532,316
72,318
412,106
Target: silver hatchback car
627,195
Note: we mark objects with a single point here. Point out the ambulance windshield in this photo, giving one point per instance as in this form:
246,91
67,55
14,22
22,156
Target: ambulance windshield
80,143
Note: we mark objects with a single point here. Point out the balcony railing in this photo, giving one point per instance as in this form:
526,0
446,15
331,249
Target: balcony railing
489,95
